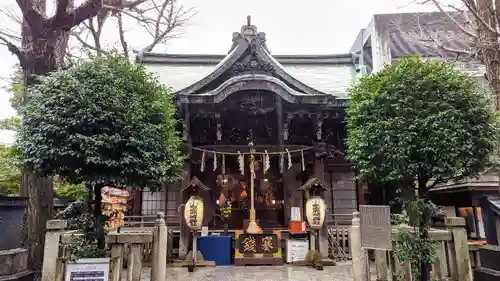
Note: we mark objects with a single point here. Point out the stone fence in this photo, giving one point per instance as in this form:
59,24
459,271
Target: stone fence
125,246
453,262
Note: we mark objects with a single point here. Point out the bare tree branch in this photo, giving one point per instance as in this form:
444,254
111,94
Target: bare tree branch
449,16
162,20
471,6
121,33
33,15
14,50
67,20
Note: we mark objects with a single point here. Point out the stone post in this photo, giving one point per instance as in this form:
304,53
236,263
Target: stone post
134,266
116,261
359,258
159,266
461,248
381,265
50,268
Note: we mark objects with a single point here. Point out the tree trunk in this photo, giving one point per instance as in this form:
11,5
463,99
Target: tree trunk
489,46
423,231
41,58
40,208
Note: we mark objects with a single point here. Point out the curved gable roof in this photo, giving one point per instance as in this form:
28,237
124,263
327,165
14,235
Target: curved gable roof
249,41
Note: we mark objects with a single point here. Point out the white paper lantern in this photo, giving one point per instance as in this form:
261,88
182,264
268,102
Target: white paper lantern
315,212
193,213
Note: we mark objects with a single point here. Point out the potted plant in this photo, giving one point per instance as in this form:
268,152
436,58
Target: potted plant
223,213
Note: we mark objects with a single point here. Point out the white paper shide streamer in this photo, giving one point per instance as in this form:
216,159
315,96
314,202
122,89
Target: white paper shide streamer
267,162
289,159
215,161
241,162
202,166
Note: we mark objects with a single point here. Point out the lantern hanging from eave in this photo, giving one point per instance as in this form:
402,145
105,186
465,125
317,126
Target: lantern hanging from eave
315,212
193,213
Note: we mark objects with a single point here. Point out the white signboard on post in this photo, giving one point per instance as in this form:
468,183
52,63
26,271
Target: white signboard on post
88,270
376,229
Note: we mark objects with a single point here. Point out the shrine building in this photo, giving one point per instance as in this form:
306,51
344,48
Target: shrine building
288,112
291,107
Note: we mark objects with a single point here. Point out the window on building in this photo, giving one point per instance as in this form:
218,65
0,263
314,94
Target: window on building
473,221
152,202
171,203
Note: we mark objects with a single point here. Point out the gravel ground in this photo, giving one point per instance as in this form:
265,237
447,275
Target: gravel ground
340,272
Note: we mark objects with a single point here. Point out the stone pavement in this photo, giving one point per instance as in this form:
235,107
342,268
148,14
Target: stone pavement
340,272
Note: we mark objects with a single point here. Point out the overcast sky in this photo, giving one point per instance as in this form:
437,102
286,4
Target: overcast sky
292,27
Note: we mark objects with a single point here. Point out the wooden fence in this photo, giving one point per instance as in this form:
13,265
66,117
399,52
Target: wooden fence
127,248
337,226
453,262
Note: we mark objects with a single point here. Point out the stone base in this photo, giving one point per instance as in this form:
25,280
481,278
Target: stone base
490,267
188,262
21,276
324,262
485,274
13,261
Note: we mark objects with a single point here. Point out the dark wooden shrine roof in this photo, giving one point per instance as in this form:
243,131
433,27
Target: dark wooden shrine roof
300,75
312,182
196,182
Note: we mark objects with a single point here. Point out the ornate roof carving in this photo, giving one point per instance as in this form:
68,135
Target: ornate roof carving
249,65
259,82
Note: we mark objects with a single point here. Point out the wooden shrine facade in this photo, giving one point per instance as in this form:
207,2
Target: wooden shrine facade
248,96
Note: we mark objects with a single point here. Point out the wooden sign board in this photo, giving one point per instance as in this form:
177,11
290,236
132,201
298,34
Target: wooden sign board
258,249
376,229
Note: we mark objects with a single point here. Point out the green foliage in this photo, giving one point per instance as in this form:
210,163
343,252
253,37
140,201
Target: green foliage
10,175
11,124
16,88
106,121
79,217
73,191
417,120
414,245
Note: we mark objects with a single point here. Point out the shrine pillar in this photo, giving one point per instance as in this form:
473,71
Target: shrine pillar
319,173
